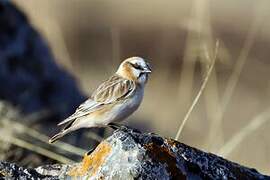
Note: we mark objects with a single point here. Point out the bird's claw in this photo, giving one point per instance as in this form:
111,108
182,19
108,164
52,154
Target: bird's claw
116,126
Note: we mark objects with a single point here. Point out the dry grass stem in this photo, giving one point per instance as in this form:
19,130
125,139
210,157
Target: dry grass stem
234,77
37,149
251,37
94,136
43,138
251,127
201,89
10,127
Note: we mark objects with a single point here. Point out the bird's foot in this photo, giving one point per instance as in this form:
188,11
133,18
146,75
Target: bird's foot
116,126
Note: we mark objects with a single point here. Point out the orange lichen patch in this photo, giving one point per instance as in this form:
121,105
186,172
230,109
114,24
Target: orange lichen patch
92,162
172,142
3,174
153,147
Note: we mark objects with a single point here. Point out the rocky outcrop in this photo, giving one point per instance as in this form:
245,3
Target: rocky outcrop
32,80
129,154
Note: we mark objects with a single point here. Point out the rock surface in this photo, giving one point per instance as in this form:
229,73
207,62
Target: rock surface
129,154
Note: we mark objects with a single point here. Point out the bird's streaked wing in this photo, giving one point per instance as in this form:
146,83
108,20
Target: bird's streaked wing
84,109
113,90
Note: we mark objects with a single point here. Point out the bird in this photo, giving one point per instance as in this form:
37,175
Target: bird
114,100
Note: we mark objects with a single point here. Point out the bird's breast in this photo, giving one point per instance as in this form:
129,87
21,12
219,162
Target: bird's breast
121,110
128,106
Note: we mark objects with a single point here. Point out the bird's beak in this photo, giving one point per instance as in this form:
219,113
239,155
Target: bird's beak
147,69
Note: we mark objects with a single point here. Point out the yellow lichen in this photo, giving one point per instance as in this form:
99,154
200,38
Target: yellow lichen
3,173
172,142
92,162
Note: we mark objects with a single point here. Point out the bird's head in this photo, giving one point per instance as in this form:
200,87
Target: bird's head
136,69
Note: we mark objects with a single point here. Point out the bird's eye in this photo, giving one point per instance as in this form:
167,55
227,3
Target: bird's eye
136,66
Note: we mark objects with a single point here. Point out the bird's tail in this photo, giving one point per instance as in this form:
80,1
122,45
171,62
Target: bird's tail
58,136
67,129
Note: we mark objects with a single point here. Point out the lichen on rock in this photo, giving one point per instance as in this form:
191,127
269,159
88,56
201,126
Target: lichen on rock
91,163
112,159
129,154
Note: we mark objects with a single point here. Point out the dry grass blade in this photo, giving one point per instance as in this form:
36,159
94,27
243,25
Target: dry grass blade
43,138
200,91
20,128
39,150
254,124
94,136
231,85
251,37
116,50
9,128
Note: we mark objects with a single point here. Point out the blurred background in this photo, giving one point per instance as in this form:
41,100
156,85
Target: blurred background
89,39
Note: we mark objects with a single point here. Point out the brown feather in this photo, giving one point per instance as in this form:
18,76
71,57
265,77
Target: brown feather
127,72
115,88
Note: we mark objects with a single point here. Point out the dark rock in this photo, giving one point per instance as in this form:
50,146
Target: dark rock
12,171
168,159
30,78
128,154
